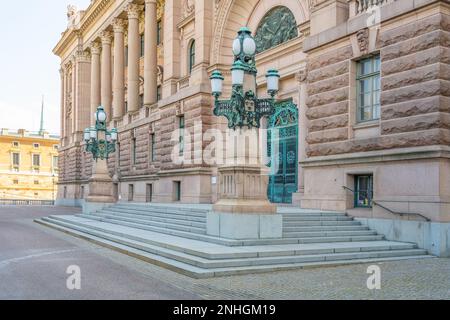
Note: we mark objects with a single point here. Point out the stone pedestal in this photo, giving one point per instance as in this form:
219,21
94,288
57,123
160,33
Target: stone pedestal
243,210
100,189
243,190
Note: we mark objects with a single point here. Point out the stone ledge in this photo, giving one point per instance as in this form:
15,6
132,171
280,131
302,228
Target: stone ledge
380,156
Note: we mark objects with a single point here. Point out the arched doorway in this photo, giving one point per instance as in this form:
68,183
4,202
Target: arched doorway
283,152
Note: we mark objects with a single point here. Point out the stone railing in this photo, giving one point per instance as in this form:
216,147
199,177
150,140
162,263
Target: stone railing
362,6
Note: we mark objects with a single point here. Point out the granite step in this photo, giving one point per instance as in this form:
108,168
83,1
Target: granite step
180,227
197,266
156,214
288,229
194,222
229,242
307,234
301,218
170,210
320,223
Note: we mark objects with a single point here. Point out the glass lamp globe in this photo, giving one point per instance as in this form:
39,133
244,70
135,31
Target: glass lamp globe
100,115
237,46
216,82
273,79
87,134
93,133
249,46
114,134
237,73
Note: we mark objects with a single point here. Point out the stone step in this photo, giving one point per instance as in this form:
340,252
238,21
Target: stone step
158,214
213,251
216,267
287,229
314,214
317,218
320,223
174,210
314,234
229,242
198,222
116,218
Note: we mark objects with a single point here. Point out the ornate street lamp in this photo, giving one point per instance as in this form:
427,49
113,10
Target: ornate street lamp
244,109
99,140
242,209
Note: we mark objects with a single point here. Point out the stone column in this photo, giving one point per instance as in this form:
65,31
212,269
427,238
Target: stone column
83,87
119,69
95,79
133,57
63,105
106,69
150,58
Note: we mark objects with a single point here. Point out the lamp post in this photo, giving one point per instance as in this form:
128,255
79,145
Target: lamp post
100,142
244,109
243,210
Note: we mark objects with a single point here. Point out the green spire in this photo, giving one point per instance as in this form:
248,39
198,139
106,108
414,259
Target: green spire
41,128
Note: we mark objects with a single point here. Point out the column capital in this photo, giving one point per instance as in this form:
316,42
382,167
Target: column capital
95,48
119,25
106,37
134,10
83,56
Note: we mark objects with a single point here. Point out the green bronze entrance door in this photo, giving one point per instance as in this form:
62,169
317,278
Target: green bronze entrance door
283,152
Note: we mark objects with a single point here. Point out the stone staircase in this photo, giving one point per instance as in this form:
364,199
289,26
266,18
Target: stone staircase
175,237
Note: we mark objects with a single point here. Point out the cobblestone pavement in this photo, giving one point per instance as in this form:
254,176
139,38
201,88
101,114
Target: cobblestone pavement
129,278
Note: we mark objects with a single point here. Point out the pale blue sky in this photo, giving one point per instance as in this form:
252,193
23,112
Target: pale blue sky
29,30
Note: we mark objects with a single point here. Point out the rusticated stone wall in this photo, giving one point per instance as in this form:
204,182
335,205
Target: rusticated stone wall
70,164
415,94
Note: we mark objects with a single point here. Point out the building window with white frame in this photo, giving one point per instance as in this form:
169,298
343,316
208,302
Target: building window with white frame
36,145
368,89
55,164
16,161
36,161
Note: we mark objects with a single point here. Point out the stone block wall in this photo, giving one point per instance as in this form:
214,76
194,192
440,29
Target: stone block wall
415,94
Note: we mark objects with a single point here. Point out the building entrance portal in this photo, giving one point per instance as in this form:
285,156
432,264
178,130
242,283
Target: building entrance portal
283,152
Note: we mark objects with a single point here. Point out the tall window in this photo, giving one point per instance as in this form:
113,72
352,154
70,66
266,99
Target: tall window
133,150
158,93
36,160
153,147
363,191
16,159
159,32
191,56
181,125
55,163
142,41
368,89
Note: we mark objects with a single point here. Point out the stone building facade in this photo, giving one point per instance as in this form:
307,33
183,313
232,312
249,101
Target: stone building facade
28,165
370,79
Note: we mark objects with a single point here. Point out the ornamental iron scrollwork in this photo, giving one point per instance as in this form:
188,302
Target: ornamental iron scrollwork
277,27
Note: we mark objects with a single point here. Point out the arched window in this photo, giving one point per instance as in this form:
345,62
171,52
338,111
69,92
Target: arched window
191,56
277,27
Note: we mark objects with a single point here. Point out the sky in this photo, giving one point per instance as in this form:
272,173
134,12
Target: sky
29,30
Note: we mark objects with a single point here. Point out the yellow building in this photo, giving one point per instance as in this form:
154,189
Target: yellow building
28,165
